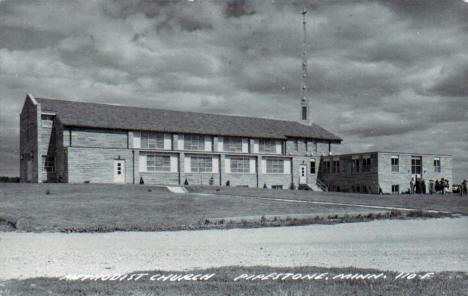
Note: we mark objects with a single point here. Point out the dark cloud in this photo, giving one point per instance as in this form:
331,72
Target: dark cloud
384,75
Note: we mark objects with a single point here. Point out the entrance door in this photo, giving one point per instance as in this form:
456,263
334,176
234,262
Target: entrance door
302,174
119,171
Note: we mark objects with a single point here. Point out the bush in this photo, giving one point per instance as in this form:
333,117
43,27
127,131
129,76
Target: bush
264,186
228,183
47,192
141,181
186,182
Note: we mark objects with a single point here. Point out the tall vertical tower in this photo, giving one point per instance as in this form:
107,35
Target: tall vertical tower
305,113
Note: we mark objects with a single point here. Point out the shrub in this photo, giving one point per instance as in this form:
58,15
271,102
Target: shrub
186,182
265,185
141,181
47,192
228,183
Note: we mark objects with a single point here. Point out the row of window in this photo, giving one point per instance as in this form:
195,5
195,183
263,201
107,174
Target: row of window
416,165
201,164
155,140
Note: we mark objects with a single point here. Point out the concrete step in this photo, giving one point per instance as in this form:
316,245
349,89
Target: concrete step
177,189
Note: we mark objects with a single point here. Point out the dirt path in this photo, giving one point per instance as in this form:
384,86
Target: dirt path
409,245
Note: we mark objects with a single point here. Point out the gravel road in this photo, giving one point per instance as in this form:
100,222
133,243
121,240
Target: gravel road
399,245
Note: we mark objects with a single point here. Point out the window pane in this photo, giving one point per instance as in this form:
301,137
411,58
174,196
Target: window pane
158,163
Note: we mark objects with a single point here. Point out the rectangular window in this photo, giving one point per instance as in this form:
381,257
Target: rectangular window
201,164
395,164
312,166
416,165
267,146
355,167
47,120
395,189
275,166
336,166
304,113
366,164
158,163
277,187
437,165
233,144
152,140
194,142
240,165
296,142
48,164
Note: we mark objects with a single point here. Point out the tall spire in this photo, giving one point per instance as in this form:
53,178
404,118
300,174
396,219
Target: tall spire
304,101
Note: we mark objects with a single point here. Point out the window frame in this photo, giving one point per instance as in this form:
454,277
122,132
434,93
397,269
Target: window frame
47,120
228,144
244,167
395,189
273,166
191,144
267,143
366,164
395,167
355,165
153,140
201,162
415,166
312,169
47,164
437,165
159,160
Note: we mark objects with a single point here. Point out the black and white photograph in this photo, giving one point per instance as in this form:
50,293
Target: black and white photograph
233,147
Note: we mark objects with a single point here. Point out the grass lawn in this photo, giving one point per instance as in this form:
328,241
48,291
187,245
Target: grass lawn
222,283
100,207
453,203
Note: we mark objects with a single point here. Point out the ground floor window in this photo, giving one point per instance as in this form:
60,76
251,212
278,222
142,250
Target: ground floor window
277,186
336,166
275,166
395,189
158,163
240,165
312,166
201,164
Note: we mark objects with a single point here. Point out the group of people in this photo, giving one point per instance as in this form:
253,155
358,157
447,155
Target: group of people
418,186
463,188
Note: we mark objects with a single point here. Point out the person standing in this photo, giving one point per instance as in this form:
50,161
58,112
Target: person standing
423,185
411,185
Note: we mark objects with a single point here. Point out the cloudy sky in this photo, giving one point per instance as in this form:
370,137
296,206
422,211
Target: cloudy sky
383,75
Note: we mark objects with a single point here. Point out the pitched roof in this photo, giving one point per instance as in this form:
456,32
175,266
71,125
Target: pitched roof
93,115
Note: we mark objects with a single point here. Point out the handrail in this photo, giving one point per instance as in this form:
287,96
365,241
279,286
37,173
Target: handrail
322,185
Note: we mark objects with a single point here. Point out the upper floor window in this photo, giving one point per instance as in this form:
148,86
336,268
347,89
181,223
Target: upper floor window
233,144
395,162
416,165
47,120
201,164
275,166
194,142
240,165
336,166
268,146
158,163
152,140
366,164
437,165
355,167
